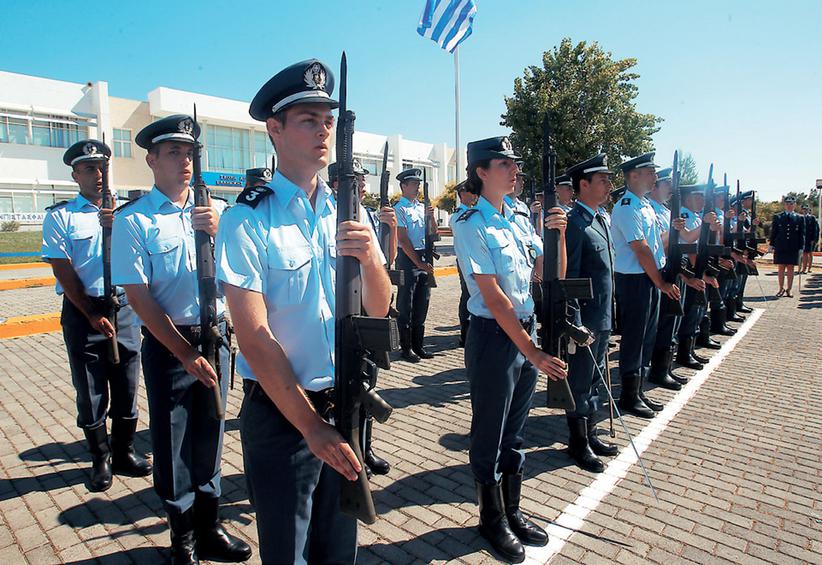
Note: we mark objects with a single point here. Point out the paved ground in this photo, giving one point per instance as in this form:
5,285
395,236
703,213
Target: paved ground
737,470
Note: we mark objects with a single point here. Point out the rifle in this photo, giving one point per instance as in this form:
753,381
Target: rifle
109,291
430,231
559,336
752,242
727,236
355,335
673,264
210,338
706,248
397,276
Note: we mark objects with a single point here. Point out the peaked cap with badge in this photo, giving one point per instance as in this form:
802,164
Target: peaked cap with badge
664,175
596,164
179,127
646,160
260,174
86,150
306,82
491,148
410,174
358,170
563,179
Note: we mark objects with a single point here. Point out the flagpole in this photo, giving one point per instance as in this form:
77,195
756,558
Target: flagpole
460,167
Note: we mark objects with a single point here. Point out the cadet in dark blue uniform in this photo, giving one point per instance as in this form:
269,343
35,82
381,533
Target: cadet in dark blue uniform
154,259
788,241
501,358
590,255
72,244
811,239
277,251
639,257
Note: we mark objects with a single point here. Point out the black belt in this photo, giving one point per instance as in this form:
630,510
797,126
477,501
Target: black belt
322,400
490,323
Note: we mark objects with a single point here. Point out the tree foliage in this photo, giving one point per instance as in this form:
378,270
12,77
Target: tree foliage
447,201
590,99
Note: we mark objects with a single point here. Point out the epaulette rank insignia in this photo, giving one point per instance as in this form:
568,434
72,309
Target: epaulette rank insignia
625,201
467,214
127,204
253,195
57,205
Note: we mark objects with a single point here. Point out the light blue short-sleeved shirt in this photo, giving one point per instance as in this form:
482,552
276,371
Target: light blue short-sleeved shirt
692,221
72,231
286,250
633,219
663,215
488,243
411,216
152,243
457,213
522,221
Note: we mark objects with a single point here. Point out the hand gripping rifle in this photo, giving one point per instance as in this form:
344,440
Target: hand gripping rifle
706,249
356,336
210,338
109,291
430,231
674,264
397,276
559,336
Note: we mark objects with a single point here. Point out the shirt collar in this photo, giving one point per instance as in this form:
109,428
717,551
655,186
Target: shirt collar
286,190
586,207
81,202
157,199
489,212
405,202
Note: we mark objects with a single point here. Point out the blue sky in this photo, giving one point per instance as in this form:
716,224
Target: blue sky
738,83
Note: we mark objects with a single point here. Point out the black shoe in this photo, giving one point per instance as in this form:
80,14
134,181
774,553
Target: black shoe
707,343
718,325
681,380
742,308
684,357
183,547
124,460
649,402
597,445
629,400
377,465
417,337
578,447
213,542
493,524
731,312
526,530
660,365
405,344
97,440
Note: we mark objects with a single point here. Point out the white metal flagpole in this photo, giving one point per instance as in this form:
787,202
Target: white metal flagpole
457,147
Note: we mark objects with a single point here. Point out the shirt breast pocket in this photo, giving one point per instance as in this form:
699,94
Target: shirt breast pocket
82,244
164,256
503,254
289,269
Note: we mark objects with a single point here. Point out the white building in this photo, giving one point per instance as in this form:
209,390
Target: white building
40,118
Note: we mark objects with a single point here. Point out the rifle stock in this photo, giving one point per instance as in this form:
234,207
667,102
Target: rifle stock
673,264
109,291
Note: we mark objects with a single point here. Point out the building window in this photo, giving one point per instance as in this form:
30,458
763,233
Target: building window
263,150
14,130
228,149
373,166
122,143
53,131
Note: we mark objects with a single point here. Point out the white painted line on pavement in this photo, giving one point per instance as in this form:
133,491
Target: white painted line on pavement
573,517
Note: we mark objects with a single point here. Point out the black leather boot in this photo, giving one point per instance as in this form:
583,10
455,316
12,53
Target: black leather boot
703,339
629,401
526,530
660,365
124,460
684,355
718,325
405,345
493,524
731,314
678,378
649,402
97,440
740,306
183,548
213,542
578,447
377,465
463,333
417,337
597,445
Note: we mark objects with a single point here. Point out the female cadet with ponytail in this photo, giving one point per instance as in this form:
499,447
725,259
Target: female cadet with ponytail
501,357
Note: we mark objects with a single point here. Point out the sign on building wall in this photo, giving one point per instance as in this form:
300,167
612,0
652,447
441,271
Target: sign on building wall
23,217
224,179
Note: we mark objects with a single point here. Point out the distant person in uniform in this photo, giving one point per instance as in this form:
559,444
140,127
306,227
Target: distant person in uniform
811,239
787,241
467,200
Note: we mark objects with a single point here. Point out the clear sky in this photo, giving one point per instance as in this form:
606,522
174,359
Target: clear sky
738,82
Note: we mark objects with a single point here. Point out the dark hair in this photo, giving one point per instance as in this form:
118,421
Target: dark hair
575,181
473,183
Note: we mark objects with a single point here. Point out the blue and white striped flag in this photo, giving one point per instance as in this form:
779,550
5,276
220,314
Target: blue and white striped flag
447,22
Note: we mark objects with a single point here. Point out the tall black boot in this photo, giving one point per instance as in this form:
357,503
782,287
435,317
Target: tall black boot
183,548
526,530
417,337
378,465
731,313
629,401
97,440
213,542
718,325
463,333
578,447
660,364
597,445
405,345
493,524
703,339
678,378
684,355
124,460
740,305
649,402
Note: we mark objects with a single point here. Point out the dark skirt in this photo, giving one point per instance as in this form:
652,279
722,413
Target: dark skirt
786,257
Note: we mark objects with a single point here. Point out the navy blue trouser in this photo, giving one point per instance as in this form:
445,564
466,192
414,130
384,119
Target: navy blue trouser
102,388
502,385
296,496
412,297
187,441
693,315
638,316
464,315
583,377
668,326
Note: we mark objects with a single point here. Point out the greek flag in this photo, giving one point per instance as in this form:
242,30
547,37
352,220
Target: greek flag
448,22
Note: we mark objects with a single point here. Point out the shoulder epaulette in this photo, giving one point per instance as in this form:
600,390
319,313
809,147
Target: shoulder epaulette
253,195
467,214
520,213
213,197
625,201
57,204
684,215
126,204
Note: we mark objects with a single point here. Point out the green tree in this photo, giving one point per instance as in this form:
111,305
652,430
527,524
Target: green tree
590,100
447,201
687,166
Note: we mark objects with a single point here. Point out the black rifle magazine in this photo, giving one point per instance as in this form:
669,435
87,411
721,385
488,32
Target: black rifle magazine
559,395
377,334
